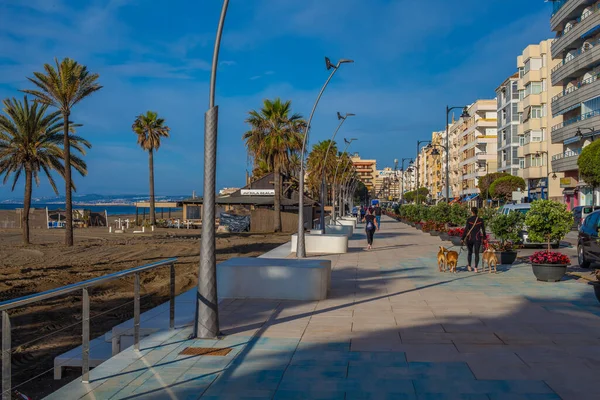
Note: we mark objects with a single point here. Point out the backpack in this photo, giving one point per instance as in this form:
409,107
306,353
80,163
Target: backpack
370,225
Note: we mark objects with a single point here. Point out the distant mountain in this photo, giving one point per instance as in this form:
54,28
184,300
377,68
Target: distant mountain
95,199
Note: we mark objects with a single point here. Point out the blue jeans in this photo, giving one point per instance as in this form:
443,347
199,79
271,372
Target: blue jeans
378,218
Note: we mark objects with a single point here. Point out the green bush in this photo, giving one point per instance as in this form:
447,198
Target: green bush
459,213
502,188
507,228
589,164
440,213
488,214
548,221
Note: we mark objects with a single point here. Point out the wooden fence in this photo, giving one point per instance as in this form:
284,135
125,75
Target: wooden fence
262,220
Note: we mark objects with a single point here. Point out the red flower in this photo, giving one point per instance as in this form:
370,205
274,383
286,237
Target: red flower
549,257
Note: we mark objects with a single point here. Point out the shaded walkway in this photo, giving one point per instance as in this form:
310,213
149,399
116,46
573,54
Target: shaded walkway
392,327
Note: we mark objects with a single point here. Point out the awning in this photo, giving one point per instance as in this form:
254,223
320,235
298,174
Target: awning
470,197
591,32
561,112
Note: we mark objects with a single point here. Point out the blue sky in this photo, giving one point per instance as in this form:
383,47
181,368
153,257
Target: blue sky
410,62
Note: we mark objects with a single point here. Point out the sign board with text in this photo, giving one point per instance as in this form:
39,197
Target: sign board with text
567,182
257,192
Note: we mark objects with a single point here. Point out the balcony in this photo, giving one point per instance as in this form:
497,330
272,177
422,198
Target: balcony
532,124
565,10
571,97
532,76
566,161
572,38
576,66
534,172
567,129
532,100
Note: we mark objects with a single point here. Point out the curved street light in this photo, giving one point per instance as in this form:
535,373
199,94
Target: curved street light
348,142
206,319
300,248
342,119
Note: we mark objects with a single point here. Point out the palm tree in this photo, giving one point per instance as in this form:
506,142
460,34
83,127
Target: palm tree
150,129
316,166
63,87
274,136
30,143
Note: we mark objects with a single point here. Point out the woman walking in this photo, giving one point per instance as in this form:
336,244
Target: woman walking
474,236
370,226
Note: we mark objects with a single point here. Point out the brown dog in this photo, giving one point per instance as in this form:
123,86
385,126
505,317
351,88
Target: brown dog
441,257
452,260
489,258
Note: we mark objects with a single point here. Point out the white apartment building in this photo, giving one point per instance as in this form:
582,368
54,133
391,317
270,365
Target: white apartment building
507,96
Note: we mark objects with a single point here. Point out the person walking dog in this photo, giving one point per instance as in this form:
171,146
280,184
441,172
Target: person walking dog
473,237
371,225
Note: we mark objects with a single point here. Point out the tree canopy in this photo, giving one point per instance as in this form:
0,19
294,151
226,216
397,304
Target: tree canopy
502,188
486,181
589,164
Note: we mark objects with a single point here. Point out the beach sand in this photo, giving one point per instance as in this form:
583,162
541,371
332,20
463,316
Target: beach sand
48,264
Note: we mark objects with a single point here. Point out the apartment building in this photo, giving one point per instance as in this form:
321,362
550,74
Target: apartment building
366,171
436,160
536,150
388,183
507,96
478,143
454,131
577,50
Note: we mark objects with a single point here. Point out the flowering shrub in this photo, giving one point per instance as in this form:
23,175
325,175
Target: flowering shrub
428,226
549,257
456,232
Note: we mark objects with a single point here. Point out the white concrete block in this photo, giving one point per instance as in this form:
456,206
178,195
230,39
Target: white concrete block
285,279
346,222
339,230
322,244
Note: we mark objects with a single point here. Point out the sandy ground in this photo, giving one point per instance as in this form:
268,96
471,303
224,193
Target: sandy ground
44,330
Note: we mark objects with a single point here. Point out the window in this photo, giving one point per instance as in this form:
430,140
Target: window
536,112
533,88
515,90
521,163
521,72
515,112
527,67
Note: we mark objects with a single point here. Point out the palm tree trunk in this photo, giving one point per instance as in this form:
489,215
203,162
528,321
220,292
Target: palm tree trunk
26,205
277,200
151,166
68,182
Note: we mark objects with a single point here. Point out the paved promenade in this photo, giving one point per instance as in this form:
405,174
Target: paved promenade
393,327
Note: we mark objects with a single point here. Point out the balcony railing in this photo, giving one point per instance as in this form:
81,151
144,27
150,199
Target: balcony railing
566,154
594,9
578,118
577,86
577,54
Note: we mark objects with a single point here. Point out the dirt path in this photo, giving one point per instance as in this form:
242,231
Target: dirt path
43,331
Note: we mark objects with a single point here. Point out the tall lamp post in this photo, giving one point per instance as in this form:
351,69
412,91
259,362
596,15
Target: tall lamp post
206,320
342,119
300,248
348,142
464,115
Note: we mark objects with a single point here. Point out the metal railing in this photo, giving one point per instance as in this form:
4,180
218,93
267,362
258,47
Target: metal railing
576,55
557,5
577,86
578,118
566,154
578,20
84,286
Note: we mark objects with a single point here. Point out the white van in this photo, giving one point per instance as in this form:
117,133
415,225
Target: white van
524,209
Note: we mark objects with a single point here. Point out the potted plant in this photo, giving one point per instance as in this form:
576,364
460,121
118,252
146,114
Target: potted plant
548,221
506,228
456,235
459,214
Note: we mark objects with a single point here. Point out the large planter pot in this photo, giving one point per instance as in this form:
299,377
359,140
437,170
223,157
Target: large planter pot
419,226
434,233
455,240
549,272
444,236
506,257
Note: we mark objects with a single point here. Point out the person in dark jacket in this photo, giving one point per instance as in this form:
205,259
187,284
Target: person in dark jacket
473,237
377,212
371,225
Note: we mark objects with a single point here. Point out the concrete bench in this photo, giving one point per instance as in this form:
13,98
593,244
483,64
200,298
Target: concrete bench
322,244
282,279
339,230
346,222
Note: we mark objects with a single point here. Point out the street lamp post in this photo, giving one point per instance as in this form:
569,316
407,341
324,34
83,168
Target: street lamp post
348,142
435,152
342,119
206,320
539,154
300,248
592,133
465,114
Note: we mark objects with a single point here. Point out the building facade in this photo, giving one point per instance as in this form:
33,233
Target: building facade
454,131
478,146
536,150
577,51
366,171
388,183
507,97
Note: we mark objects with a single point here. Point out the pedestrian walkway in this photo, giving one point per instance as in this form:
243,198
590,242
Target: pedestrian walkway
393,327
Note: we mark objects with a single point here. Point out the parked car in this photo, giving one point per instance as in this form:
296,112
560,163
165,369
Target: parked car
524,209
580,213
588,243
